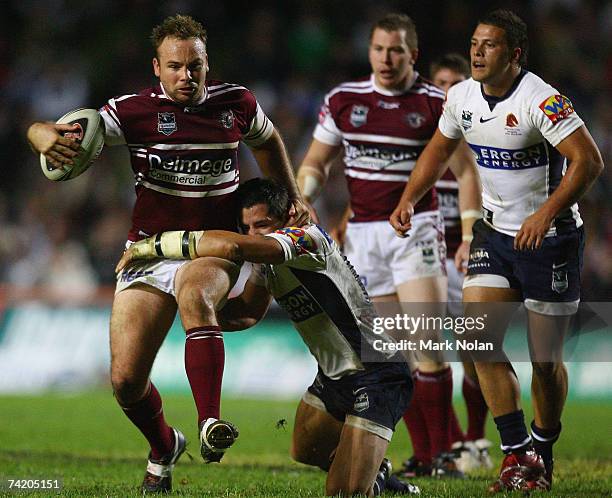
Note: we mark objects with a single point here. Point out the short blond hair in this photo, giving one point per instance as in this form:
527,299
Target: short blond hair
178,26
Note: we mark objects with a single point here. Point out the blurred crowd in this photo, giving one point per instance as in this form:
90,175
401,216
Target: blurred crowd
59,55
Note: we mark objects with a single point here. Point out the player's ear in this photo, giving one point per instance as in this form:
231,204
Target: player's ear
516,55
414,52
156,67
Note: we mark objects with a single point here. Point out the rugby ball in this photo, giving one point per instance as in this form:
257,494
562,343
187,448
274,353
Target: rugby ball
90,134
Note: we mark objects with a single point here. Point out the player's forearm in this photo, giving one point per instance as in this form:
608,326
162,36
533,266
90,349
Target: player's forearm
470,201
274,162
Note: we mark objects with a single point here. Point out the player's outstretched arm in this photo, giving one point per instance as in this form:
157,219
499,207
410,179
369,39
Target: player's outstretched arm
585,165
273,160
430,166
45,138
216,243
314,171
246,310
463,166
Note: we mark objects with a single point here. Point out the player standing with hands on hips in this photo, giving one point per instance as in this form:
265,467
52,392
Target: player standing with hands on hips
536,159
183,137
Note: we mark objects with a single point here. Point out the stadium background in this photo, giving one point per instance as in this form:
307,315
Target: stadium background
59,242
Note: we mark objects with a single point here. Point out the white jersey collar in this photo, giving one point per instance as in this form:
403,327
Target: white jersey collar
393,93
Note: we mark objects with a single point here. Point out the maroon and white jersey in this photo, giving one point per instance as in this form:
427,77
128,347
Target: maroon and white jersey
185,158
448,200
383,133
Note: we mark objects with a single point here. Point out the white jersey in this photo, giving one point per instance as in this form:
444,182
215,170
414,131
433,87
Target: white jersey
513,138
325,300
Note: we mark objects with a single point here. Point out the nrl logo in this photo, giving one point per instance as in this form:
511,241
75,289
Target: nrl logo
559,278
227,119
359,115
466,120
166,123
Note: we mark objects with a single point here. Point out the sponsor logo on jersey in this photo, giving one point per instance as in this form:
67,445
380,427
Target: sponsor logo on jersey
299,304
362,402
187,169
301,240
359,115
383,104
166,123
415,119
388,154
511,121
466,119
557,108
510,159
559,278
227,119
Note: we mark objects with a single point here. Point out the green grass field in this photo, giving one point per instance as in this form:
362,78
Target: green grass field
86,441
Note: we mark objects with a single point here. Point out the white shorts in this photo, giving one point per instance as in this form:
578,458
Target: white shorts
158,273
383,260
455,288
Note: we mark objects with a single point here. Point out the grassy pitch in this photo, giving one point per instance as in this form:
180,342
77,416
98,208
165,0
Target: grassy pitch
87,442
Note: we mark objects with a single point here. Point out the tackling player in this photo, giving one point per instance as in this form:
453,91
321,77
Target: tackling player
183,137
345,420
536,159
382,123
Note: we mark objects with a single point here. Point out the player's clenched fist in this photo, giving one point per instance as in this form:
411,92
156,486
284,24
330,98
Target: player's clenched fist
400,218
46,139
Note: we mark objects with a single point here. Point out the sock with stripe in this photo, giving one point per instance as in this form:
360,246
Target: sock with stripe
543,441
513,433
204,364
148,415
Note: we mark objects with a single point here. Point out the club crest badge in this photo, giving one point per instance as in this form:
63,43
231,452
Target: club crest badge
166,123
362,402
227,119
559,278
415,119
466,120
359,115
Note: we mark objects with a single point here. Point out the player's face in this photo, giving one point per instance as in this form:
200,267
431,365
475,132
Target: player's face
258,221
491,58
445,78
391,58
181,66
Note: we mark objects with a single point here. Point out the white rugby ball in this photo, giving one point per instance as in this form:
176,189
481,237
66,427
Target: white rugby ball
90,134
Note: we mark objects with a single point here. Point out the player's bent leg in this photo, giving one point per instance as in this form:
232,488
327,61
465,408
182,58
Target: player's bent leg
315,435
356,463
201,286
140,319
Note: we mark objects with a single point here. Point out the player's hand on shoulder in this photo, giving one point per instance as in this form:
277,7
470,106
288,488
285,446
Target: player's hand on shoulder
300,214
532,231
400,218
47,139
143,249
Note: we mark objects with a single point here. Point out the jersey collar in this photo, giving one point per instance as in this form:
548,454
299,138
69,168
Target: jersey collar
393,93
493,101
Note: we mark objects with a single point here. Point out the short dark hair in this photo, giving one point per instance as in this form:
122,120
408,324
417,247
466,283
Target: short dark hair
452,61
178,26
395,22
515,28
266,191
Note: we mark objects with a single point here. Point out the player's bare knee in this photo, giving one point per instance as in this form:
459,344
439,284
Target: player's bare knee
546,370
127,390
193,301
